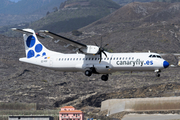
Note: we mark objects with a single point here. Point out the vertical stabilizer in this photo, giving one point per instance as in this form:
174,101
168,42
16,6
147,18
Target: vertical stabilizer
33,48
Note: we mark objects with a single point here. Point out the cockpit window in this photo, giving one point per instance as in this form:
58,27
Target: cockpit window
155,56
158,56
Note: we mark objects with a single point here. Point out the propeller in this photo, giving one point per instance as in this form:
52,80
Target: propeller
101,50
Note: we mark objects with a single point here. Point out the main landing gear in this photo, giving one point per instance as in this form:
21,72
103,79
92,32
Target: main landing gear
104,77
89,73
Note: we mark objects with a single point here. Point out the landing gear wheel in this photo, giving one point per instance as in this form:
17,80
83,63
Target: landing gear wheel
104,77
88,73
158,75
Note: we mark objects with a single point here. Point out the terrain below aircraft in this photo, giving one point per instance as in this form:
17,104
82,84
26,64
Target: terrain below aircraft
90,59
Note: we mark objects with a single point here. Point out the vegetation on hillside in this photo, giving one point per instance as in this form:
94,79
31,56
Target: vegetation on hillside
170,1
74,14
129,1
25,7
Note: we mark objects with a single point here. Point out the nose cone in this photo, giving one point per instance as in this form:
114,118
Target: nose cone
165,64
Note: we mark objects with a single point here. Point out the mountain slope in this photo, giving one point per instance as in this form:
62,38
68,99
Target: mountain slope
24,7
134,27
5,3
123,2
23,12
139,27
75,14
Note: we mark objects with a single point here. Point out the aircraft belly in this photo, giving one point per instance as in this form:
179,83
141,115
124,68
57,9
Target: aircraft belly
67,66
136,68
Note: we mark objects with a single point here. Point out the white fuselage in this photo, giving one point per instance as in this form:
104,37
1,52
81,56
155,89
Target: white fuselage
114,62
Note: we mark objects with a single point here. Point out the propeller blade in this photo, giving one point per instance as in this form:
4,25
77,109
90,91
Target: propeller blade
106,45
101,41
95,43
99,51
100,57
105,54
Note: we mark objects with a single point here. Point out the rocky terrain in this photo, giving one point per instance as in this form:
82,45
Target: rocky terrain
21,82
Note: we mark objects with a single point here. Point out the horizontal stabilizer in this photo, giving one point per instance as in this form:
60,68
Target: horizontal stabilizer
27,32
21,30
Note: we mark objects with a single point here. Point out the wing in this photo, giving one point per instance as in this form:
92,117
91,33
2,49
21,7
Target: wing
66,42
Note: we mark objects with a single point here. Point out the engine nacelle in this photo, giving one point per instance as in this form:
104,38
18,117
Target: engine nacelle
91,49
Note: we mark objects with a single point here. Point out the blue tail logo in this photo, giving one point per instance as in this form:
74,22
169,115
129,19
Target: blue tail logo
35,50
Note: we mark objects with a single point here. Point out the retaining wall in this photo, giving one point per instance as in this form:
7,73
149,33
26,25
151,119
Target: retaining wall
141,104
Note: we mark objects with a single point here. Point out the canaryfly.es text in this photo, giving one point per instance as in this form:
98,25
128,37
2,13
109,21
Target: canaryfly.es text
133,63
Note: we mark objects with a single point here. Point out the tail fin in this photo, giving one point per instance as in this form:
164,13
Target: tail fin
33,47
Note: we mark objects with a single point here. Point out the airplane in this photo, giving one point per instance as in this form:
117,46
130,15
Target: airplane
90,59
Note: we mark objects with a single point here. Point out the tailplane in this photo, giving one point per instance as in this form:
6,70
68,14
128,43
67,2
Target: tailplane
33,47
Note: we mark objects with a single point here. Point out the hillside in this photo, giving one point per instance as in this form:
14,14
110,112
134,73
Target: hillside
135,27
153,26
74,14
22,12
24,7
5,3
124,2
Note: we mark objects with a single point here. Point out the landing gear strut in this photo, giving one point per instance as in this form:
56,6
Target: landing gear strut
157,73
104,77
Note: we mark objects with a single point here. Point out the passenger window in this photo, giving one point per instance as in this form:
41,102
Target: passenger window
129,58
92,58
83,58
79,58
107,58
123,58
133,58
119,58
111,59
59,59
65,59
71,59
62,59
126,58
95,58
89,58
104,58
86,58
76,58
68,59
114,58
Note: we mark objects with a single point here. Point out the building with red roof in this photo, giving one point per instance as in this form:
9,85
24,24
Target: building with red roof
70,113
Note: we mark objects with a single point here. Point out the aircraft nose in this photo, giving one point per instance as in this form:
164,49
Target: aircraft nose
165,64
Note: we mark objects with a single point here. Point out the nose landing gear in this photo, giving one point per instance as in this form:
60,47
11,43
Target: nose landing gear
157,73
